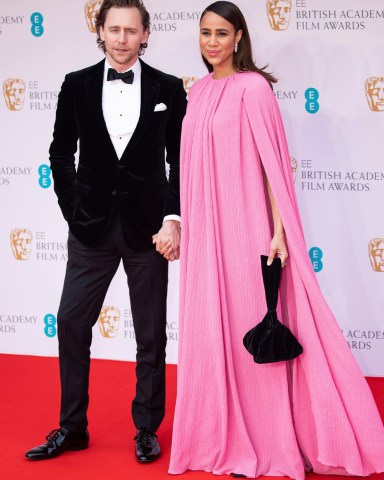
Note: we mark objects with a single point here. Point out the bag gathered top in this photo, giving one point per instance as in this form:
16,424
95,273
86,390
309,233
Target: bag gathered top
270,341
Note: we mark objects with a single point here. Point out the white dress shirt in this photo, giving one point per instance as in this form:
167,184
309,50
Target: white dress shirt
121,104
121,107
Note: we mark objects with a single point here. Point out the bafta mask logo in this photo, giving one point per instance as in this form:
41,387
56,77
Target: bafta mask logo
374,91
294,166
14,89
279,13
188,82
91,9
109,321
21,243
376,254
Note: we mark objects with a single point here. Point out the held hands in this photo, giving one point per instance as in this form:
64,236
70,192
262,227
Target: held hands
278,247
167,240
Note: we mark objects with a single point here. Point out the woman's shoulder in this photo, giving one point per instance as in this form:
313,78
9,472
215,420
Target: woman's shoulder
200,82
256,89
254,82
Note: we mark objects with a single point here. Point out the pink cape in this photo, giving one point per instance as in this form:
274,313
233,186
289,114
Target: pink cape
314,413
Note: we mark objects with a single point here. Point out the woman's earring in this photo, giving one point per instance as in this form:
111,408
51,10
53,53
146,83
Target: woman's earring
236,47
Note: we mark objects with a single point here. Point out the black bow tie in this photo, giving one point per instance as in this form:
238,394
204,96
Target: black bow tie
126,77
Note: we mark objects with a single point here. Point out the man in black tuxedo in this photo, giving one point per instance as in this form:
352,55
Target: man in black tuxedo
124,114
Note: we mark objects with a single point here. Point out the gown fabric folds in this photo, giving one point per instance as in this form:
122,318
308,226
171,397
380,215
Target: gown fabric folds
232,415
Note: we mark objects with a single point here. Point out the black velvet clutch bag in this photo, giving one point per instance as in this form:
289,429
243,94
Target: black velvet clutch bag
270,341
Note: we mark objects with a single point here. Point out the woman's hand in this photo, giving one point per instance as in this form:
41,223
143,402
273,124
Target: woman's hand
278,247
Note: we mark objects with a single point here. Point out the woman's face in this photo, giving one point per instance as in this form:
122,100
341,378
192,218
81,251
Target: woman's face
217,41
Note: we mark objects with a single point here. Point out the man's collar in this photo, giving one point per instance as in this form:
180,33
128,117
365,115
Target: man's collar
136,67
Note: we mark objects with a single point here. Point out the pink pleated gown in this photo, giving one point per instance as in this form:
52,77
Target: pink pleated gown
232,415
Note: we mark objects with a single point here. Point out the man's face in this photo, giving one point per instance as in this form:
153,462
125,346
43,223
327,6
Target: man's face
21,244
14,94
377,256
91,9
279,13
123,32
109,322
375,95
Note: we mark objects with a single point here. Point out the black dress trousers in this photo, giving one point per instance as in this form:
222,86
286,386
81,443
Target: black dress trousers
89,273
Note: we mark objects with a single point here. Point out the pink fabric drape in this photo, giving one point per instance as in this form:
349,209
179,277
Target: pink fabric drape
232,415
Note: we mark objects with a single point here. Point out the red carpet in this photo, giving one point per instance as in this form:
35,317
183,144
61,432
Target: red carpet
29,406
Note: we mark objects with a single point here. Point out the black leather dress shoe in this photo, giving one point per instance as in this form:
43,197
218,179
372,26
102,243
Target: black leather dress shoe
147,446
58,442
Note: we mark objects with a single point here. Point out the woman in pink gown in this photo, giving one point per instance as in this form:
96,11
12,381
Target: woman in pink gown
238,202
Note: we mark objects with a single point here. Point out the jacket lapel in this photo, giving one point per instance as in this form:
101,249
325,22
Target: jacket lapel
149,94
94,92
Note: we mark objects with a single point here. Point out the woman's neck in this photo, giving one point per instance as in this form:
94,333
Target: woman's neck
222,73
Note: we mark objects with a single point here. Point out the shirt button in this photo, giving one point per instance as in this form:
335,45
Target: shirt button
114,192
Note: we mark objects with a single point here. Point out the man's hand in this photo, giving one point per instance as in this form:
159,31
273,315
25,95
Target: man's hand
167,240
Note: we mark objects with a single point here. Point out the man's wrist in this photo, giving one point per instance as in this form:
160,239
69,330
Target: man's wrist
172,217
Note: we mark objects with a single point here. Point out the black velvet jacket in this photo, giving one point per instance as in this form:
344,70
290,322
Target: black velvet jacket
136,185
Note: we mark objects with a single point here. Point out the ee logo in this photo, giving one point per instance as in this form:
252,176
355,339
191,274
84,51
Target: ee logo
37,28
316,254
50,325
44,176
312,96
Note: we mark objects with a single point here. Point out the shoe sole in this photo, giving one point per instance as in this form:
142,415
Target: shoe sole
149,460
49,457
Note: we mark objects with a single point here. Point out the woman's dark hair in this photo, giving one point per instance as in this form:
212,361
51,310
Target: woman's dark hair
108,4
243,59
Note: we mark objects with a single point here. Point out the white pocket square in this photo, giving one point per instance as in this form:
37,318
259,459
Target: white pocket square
160,107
